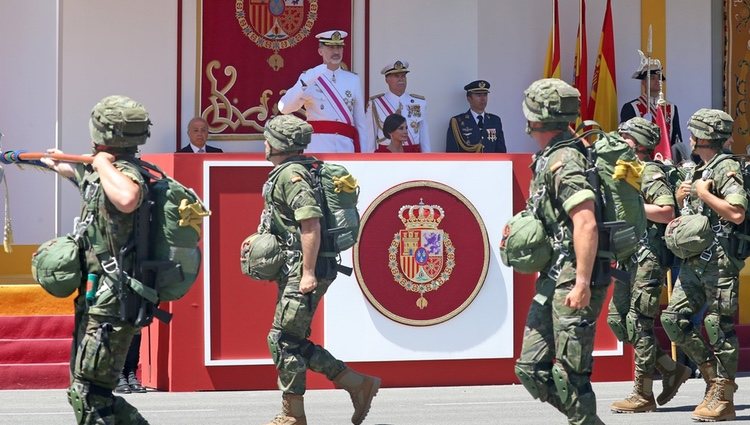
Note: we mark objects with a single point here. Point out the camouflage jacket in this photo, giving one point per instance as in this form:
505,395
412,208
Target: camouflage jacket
727,184
559,185
656,190
289,199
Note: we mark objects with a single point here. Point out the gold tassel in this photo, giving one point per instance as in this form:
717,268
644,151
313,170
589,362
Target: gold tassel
7,230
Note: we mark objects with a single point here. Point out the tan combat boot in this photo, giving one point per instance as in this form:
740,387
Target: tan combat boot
292,411
361,389
708,372
673,375
640,400
720,406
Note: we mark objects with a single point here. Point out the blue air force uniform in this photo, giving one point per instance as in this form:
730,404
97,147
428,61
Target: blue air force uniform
473,132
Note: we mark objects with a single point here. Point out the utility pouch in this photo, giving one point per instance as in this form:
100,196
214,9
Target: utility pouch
620,238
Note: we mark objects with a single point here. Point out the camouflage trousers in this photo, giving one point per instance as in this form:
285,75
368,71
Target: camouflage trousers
714,284
292,352
634,307
558,345
99,349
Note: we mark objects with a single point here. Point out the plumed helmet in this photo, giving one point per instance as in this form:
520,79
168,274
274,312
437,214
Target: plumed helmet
551,100
711,124
643,131
120,122
287,133
56,265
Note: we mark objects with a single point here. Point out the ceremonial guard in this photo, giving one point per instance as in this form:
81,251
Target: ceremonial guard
333,101
476,130
413,107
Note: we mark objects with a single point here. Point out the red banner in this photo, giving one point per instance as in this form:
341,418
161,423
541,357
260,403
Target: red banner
250,51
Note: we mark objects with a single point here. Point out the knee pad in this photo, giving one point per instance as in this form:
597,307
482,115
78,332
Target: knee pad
713,328
632,326
560,378
531,381
618,327
75,398
675,325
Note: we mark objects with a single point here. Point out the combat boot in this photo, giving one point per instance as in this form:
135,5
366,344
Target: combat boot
640,400
673,375
361,389
135,384
122,385
720,406
708,372
292,411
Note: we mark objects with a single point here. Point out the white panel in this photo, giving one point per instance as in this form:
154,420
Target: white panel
28,94
439,40
355,331
689,53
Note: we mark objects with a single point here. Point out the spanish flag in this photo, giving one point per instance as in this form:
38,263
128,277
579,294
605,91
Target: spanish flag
582,62
552,65
603,103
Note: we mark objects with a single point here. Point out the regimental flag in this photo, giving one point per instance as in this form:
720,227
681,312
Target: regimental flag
581,61
663,148
603,102
552,65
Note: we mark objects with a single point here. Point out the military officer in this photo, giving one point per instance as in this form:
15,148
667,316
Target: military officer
411,106
632,320
476,130
293,214
556,355
333,101
711,276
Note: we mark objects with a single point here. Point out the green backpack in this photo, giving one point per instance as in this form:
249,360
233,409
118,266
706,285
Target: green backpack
525,245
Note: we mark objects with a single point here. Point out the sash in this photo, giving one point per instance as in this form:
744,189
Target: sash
333,96
337,127
388,109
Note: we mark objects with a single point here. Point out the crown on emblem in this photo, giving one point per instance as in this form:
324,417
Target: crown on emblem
398,65
421,215
336,36
482,84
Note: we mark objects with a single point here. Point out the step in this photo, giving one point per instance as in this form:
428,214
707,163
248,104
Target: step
32,327
37,350
34,376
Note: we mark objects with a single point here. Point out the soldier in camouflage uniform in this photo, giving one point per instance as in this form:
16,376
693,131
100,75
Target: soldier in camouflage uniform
293,214
556,356
633,323
112,190
713,276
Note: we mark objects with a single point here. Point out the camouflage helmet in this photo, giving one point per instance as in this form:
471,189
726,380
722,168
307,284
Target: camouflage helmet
551,100
261,256
711,124
643,131
56,265
287,133
120,122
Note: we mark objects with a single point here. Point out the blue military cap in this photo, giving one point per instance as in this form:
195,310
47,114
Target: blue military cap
478,86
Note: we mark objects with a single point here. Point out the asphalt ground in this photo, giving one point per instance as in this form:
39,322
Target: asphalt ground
501,404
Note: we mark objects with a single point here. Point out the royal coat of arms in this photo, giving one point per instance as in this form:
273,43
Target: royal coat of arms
421,256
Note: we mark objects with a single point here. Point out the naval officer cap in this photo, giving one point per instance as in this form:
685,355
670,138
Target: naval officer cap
332,37
395,67
478,86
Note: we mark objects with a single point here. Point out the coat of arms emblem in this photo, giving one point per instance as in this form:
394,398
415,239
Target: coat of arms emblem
421,256
276,24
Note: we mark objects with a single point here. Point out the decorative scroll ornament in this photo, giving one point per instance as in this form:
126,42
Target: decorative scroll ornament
421,257
276,24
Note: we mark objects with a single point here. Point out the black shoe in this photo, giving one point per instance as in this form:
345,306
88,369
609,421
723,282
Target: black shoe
135,385
122,385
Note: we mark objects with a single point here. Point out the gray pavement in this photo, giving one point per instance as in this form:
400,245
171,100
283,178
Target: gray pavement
502,404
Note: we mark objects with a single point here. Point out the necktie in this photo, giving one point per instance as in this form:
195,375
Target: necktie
480,121
201,150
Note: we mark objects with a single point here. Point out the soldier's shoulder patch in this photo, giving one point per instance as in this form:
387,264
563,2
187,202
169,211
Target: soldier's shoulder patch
731,174
296,179
417,96
377,96
556,166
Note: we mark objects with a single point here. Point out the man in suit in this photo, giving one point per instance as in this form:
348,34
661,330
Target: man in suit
476,130
332,99
198,135
411,106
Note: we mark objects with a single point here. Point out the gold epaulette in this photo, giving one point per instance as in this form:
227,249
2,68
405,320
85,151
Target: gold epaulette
373,97
418,96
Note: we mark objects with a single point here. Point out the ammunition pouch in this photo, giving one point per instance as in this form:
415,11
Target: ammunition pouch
617,242
739,241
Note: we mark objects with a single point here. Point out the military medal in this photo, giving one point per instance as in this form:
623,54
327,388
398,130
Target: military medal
492,134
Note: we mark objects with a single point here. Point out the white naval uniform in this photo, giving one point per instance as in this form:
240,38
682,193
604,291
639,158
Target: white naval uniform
330,96
410,106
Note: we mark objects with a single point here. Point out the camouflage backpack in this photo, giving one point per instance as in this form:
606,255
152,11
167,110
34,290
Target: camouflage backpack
688,235
56,266
525,245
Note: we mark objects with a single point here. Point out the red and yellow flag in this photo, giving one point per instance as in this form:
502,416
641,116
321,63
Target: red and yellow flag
552,65
603,102
581,63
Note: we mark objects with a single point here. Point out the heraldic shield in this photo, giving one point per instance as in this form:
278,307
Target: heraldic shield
423,253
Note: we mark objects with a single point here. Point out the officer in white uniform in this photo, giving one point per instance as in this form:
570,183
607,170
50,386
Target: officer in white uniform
333,101
413,107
